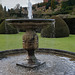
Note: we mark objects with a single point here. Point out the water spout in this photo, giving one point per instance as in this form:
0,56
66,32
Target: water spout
30,16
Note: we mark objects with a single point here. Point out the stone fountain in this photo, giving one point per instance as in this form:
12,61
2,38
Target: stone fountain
30,38
58,62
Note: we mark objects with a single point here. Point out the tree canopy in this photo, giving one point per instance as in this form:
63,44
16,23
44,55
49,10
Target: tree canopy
1,11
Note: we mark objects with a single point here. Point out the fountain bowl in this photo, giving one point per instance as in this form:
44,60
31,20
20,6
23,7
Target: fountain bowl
29,23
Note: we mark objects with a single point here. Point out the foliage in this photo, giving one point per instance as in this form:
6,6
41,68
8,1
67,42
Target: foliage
1,20
52,4
61,11
73,12
41,4
71,24
1,11
1,14
68,5
7,29
47,31
48,4
61,29
16,11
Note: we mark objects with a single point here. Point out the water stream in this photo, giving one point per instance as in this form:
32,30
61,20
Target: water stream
30,16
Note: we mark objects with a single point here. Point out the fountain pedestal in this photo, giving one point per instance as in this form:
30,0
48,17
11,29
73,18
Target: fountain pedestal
30,43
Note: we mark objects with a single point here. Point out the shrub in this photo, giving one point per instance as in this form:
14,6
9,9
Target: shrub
61,11
1,20
47,31
71,24
61,29
7,29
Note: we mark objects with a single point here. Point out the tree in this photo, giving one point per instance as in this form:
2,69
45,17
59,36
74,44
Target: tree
48,4
20,11
11,12
52,4
1,11
17,6
5,11
68,6
68,3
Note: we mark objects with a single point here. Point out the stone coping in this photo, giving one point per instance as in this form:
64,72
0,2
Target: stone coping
30,20
57,50
3,54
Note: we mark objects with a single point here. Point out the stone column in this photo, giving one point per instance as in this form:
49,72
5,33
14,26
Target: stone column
30,43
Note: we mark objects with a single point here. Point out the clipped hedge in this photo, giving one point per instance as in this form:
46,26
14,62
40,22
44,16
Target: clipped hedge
71,24
7,29
61,29
1,20
47,32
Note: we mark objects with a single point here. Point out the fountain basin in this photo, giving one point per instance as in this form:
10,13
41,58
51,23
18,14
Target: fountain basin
29,23
58,62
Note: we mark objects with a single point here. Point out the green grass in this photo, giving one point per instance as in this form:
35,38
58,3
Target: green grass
66,43
14,41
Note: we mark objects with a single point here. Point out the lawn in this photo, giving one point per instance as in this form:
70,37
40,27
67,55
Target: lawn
14,41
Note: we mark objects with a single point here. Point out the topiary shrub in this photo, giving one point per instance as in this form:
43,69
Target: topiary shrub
61,29
71,24
7,29
1,20
47,31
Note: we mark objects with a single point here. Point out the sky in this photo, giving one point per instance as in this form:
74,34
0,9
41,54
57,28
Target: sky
12,3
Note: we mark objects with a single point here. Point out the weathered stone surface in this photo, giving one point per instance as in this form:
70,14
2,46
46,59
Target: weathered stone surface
55,65
30,40
25,64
